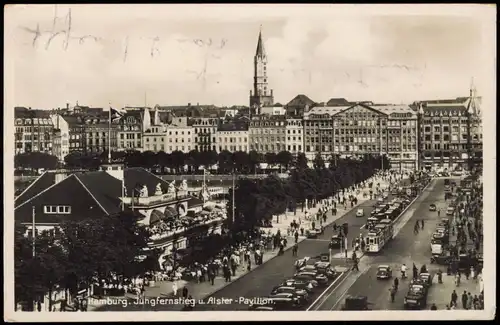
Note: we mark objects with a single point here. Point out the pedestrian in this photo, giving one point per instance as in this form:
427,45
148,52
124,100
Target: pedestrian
295,249
392,292
469,301
185,292
355,265
174,288
422,223
454,298
472,273
464,300
447,307
296,237
39,306
467,273
439,212
433,307
396,283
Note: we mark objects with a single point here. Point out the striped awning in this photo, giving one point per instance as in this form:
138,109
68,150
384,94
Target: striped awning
156,216
170,212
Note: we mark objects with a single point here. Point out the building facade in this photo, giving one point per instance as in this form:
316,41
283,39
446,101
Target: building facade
233,136
294,135
61,135
179,135
99,135
450,133
261,94
204,130
33,130
318,134
267,133
129,131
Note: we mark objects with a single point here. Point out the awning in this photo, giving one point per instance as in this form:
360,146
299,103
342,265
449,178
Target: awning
156,216
171,211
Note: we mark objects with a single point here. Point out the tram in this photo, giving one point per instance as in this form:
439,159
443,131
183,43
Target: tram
380,235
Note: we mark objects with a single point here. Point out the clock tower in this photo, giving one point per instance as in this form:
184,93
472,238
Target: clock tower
261,95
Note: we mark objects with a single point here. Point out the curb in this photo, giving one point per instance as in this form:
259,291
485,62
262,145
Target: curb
286,249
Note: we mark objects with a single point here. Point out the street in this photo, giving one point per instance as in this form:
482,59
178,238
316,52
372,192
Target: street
406,247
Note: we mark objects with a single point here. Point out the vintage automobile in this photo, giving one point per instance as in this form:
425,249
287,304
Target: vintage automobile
416,297
432,207
300,284
263,305
426,279
302,294
285,301
380,199
356,303
326,269
385,195
312,276
312,233
360,213
384,272
444,222
450,211
336,242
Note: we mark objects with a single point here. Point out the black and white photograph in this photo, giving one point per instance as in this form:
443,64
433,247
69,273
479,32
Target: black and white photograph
215,161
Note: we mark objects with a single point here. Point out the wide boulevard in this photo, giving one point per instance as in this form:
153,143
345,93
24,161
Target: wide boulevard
260,281
406,247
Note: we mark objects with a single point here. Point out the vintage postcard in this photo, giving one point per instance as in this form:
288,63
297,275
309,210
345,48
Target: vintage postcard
249,162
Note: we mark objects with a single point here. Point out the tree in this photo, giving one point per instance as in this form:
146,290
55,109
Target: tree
241,161
101,246
301,161
148,159
255,159
40,274
270,158
193,160
226,163
318,162
284,159
178,161
35,160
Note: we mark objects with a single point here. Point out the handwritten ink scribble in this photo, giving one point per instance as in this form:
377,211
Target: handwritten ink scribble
62,25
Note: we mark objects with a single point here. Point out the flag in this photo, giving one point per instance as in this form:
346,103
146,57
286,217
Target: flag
114,115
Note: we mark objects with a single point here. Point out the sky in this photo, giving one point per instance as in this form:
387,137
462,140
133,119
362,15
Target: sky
136,55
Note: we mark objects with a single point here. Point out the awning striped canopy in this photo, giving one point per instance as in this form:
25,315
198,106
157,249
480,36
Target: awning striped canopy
156,216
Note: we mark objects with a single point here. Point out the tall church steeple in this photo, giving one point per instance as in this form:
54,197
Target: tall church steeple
261,95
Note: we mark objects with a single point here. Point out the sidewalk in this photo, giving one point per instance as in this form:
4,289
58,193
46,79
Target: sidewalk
203,289
440,294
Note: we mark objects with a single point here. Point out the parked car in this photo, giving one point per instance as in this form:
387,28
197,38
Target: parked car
356,303
285,301
312,233
416,297
384,272
360,213
426,279
320,279
450,211
302,294
326,269
301,284
432,207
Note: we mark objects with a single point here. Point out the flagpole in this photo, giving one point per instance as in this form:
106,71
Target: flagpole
109,135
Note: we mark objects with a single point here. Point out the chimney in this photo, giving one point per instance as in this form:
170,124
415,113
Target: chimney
115,170
60,175
189,104
67,106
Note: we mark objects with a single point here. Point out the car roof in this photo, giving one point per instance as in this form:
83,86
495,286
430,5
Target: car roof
383,266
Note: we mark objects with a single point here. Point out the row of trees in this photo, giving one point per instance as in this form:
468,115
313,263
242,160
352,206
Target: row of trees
176,162
256,201
79,252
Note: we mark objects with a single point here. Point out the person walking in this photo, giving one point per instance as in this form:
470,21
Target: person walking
454,298
392,292
464,300
174,288
295,249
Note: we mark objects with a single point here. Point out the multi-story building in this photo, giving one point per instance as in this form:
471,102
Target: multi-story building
61,136
450,132
204,130
267,133
130,130
179,135
154,127
261,95
294,135
99,134
318,132
232,136
402,136
76,133
33,130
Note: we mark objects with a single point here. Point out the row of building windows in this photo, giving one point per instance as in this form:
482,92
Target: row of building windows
57,209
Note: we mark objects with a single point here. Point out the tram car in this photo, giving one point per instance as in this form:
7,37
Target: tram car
379,236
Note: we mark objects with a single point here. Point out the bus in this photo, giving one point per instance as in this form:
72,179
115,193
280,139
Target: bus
381,234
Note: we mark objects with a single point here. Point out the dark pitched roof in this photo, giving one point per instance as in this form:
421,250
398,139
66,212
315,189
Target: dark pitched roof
300,101
43,182
260,51
338,102
278,105
23,112
105,189
444,110
137,177
233,126
194,202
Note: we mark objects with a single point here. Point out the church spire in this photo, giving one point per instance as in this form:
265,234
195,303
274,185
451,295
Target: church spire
472,104
260,52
